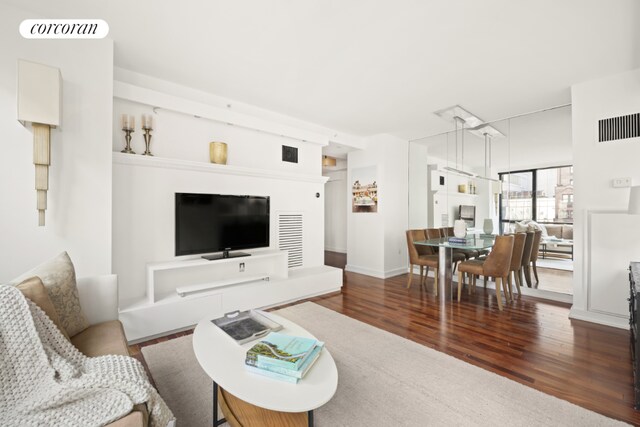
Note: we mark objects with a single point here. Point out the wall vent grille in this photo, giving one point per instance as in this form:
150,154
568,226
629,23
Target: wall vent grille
616,128
290,237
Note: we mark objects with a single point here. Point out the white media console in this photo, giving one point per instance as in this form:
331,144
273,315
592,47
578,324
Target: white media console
180,293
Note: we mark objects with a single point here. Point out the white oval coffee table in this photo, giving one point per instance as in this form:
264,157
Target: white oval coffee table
223,360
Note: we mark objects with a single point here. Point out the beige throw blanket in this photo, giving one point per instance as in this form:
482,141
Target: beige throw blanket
45,380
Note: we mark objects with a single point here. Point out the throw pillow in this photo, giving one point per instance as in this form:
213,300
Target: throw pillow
34,289
534,226
521,227
59,278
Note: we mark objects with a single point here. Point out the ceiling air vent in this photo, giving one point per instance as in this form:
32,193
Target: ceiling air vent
617,128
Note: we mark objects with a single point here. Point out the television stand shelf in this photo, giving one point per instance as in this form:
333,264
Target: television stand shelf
197,275
185,290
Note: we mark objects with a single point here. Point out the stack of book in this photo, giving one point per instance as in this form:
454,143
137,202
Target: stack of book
283,357
461,240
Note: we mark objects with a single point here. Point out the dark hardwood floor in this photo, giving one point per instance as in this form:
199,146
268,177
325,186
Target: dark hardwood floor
532,341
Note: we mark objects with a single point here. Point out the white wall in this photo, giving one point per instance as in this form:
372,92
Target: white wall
78,218
595,165
335,211
376,242
420,214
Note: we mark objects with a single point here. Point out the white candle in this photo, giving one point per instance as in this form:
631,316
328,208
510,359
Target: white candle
125,121
144,121
132,122
150,121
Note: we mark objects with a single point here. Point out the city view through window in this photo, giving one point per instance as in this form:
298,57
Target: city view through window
542,195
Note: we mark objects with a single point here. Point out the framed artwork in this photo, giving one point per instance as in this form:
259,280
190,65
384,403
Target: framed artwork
364,190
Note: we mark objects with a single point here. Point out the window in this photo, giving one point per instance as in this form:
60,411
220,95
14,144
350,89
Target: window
542,195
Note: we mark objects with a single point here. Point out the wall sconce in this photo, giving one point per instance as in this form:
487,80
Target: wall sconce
328,161
39,103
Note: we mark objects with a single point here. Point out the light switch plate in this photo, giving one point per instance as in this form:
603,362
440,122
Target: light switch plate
621,182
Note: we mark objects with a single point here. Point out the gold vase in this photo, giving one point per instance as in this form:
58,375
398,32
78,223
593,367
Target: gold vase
218,153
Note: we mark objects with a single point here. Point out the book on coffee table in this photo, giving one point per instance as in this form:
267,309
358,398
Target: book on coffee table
282,350
284,374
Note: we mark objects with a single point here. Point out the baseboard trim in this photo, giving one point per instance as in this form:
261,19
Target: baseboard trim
536,293
602,319
395,272
366,271
338,250
380,274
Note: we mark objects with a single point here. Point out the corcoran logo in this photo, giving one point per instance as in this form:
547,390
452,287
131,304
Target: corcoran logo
64,29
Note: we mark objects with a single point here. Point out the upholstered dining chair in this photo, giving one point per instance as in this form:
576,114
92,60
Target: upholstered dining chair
422,256
526,258
456,254
516,262
535,250
496,264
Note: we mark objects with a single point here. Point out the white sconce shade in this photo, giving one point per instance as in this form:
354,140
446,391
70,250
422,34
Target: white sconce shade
39,103
39,94
634,200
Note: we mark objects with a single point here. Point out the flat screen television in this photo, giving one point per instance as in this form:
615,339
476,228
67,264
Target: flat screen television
468,213
207,223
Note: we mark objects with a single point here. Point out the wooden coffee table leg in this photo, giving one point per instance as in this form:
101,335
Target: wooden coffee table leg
239,413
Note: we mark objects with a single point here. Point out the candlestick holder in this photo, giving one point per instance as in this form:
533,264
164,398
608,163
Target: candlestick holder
147,141
127,138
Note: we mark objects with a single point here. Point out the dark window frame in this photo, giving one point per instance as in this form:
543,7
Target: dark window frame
534,194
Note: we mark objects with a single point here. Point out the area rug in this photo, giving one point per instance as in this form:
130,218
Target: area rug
556,263
383,380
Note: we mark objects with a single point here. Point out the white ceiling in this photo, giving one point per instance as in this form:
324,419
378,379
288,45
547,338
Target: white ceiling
368,67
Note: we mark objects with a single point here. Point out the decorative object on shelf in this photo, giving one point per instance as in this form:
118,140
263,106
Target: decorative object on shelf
364,190
462,188
460,228
218,153
39,100
147,127
634,200
487,226
328,161
128,127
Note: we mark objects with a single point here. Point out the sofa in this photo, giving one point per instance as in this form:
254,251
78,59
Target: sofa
105,335
561,231
102,332
549,231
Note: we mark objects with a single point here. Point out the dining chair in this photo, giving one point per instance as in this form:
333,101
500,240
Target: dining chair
420,255
496,264
456,254
535,250
516,262
526,258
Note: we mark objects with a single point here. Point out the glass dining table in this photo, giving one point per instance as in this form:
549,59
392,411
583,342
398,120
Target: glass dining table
445,251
